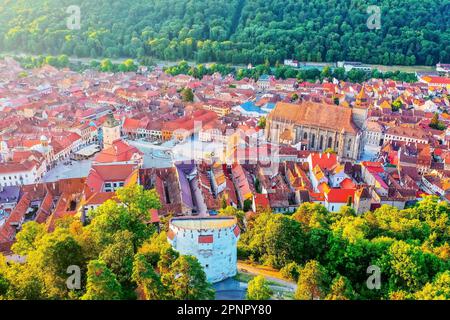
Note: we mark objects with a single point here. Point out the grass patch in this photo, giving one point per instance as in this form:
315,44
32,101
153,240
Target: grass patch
243,277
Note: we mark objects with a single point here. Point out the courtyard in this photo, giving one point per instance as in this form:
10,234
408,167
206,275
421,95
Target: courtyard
68,170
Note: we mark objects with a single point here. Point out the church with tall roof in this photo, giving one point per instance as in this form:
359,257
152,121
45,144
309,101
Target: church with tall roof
317,127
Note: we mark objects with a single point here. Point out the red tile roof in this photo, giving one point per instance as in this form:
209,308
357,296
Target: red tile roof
119,152
100,174
100,198
373,167
261,200
347,183
131,124
13,167
323,160
439,80
8,230
340,195
154,216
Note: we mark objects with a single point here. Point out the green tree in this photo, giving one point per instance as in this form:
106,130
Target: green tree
63,61
408,267
22,283
396,105
439,289
118,257
326,72
312,282
247,205
4,283
132,214
129,65
291,271
436,123
187,95
153,248
258,289
311,215
340,289
230,211
27,237
102,284
262,123
168,256
147,280
54,253
106,66
283,240
186,280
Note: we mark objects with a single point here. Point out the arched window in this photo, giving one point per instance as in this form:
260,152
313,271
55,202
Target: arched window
305,136
330,142
321,143
313,141
349,144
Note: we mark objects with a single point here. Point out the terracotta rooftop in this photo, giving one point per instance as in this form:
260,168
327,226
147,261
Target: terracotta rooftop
315,114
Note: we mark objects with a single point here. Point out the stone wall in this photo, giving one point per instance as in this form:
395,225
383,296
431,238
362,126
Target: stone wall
216,249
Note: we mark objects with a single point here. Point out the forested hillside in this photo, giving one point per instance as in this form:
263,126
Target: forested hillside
232,31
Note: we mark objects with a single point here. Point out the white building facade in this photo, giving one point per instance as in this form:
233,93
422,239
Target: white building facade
212,240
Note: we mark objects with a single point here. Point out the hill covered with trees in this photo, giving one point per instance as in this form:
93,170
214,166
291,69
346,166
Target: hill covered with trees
232,31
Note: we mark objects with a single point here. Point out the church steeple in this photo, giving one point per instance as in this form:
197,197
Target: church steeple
361,98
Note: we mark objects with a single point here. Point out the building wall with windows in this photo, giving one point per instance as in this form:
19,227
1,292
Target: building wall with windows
212,240
18,178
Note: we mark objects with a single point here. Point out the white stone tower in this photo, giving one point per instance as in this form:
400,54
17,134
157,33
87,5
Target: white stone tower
212,240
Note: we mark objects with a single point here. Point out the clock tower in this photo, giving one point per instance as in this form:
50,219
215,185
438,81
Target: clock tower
111,131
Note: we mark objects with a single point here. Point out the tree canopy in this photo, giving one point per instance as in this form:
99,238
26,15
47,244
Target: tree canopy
119,256
258,289
231,31
329,254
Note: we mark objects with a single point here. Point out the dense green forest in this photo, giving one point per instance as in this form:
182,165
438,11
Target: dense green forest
232,31
332,255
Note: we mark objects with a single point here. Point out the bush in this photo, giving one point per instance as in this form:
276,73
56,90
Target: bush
243,251
291,271
258,289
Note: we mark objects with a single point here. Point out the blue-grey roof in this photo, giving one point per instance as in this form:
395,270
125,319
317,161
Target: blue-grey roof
9,194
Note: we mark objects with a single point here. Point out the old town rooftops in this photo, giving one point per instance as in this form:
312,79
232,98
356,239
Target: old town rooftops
120,151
